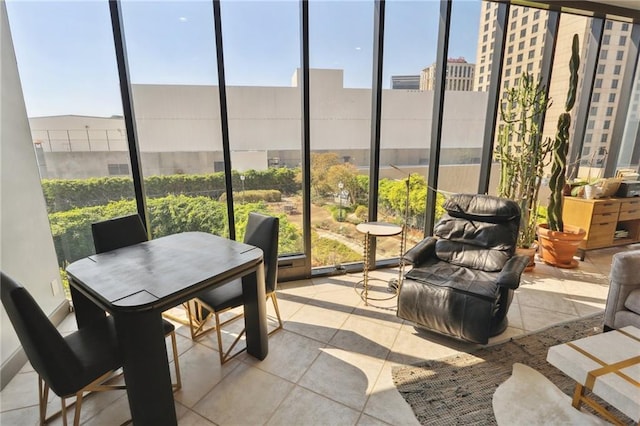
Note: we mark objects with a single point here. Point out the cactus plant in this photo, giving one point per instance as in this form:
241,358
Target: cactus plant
560,147
522,151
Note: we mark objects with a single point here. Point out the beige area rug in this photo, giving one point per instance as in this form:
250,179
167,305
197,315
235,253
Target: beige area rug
458,390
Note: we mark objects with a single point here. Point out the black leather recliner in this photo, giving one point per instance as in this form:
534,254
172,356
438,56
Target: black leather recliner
462,280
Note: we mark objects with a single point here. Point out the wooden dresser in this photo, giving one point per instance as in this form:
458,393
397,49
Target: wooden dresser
608,222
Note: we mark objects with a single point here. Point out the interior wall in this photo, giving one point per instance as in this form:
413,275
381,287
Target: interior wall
26,252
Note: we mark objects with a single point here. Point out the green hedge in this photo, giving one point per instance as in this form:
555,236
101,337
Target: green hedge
168,215
254,196
66,194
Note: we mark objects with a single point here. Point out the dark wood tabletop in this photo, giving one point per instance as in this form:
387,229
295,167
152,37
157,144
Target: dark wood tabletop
161,273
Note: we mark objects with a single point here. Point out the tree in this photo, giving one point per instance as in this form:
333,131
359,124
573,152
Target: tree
347,174
320,164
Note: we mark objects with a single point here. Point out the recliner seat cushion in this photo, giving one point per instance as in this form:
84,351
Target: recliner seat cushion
450,299
474,282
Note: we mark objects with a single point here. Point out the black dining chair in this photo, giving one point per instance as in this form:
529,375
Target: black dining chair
83,361
262,231
125,231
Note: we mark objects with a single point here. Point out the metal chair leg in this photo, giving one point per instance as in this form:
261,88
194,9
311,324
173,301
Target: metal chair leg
63,411
43,396
176,363
76,416
274,299
224,356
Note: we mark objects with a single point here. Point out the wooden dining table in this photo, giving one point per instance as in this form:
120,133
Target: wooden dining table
136,284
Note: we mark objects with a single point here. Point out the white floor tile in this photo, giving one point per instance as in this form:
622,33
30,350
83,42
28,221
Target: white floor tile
332,362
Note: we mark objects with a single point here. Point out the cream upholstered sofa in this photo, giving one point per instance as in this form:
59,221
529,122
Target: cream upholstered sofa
623,301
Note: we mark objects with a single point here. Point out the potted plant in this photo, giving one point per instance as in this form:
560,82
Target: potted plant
559,242
523,155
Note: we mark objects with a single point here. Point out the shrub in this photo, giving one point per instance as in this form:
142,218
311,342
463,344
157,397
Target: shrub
362,213
168,215
66,194
254,196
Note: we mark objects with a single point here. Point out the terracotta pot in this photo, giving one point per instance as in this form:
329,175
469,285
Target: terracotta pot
558,248
529,252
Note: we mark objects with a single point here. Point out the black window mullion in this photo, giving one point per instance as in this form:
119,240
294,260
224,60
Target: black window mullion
376,112
306,133
502,22
224,120
437,115
376,107
129,112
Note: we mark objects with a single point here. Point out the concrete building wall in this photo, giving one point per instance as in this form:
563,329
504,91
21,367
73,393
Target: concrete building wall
179,128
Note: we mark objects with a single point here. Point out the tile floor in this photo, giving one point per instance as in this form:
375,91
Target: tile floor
332,362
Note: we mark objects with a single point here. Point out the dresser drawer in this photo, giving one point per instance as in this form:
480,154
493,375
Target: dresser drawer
602,218
630,214
631,204
606,207
601,234
630,209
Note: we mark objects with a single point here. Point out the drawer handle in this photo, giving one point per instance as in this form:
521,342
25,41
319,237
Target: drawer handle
606,214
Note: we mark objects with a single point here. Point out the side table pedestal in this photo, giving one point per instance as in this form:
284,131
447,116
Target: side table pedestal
374,229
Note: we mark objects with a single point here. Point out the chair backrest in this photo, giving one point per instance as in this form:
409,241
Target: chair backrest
478,231
262,231
118,232
48,352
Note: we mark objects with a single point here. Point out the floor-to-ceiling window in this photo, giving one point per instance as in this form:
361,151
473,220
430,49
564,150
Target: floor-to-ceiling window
629,158
410,39
67,67
607,89
340,55
261,59
524,49
171,56
471,51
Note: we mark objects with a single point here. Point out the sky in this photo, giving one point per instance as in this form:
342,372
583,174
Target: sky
66,58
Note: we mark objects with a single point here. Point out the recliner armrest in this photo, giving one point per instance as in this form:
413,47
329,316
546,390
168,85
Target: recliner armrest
510,274
421,251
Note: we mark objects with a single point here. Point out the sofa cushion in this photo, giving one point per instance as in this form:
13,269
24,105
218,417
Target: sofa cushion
633,301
